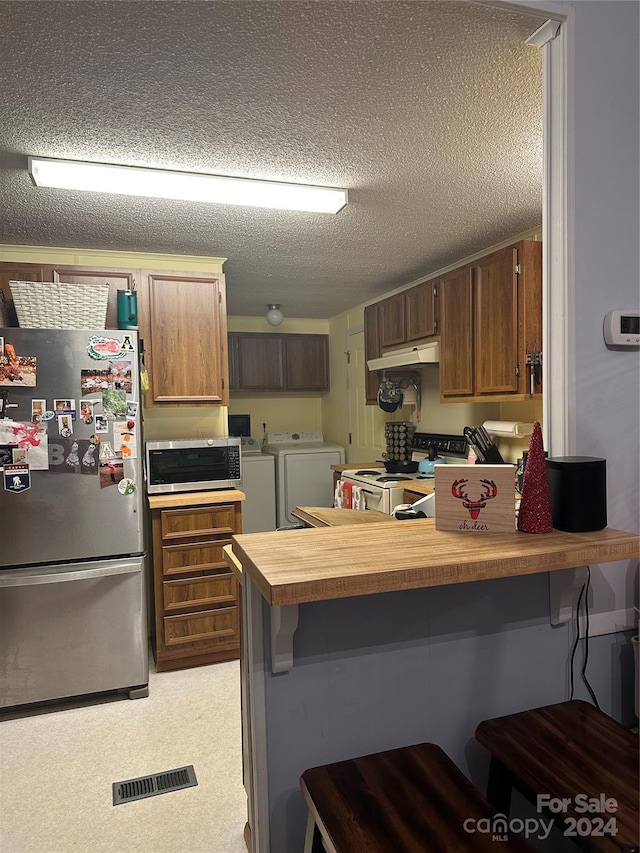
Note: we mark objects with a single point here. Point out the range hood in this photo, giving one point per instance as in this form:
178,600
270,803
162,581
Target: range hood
409,357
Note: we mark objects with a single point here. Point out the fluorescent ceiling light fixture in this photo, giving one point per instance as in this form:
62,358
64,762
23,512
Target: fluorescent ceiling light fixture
188,186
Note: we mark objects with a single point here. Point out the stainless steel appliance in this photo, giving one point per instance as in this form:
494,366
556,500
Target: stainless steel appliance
72,560
384,491
193,465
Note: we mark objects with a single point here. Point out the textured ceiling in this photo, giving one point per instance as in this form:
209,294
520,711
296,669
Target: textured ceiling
430,113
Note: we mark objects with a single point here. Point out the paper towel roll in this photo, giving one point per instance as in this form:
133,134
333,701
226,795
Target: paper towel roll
514,429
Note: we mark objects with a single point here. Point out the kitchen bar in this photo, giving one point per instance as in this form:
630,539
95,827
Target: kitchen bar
413,635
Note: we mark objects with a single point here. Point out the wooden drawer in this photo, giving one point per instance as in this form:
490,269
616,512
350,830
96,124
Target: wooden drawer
219,519
193,558
199,592
213,627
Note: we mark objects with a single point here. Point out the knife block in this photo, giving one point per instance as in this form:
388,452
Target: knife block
578,492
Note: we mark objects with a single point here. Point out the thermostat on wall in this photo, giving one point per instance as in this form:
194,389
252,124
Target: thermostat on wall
622,328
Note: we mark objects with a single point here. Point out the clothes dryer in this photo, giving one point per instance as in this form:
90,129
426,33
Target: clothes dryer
304,476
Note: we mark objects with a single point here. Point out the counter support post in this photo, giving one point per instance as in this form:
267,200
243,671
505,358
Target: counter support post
284,621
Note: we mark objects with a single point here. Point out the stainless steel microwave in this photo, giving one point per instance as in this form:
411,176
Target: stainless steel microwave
187,465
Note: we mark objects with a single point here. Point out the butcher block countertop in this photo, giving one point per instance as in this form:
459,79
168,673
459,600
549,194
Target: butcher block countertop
420,487
355,466
296,566
322,516
184,499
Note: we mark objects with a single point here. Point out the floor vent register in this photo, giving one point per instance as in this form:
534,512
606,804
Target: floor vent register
153,784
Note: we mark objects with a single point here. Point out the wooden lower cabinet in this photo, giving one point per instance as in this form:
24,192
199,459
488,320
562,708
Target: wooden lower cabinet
196,596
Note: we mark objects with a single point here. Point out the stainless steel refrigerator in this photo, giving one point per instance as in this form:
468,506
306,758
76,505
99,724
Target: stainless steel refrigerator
72,556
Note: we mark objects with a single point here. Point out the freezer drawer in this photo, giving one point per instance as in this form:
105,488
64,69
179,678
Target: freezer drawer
71,630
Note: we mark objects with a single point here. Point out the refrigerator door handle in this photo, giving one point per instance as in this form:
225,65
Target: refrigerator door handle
58,574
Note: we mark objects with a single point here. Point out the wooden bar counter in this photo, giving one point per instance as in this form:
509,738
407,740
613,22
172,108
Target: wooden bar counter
373,635
360,559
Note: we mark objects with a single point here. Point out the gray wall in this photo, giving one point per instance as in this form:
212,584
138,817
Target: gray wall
606,263
382,671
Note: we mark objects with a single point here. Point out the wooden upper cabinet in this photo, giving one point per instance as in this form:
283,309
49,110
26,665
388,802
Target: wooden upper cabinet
392,321
420,311
256,361
10,271
408,316
307,362
372,349
117,279
455,308
269,361
490,321
496,323
183,324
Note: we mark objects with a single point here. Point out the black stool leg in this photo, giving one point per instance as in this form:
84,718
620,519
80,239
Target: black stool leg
499,787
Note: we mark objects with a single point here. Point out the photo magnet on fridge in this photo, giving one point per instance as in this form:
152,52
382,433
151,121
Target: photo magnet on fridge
17,370
38,408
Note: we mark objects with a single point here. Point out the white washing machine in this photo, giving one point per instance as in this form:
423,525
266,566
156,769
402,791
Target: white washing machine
259,486
303,471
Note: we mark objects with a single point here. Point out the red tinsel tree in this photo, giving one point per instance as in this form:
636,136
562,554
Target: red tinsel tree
535,506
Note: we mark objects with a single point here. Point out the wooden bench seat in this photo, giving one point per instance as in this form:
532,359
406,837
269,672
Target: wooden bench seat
408,800
563,751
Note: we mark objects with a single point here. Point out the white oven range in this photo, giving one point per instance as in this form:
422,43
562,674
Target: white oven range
384,491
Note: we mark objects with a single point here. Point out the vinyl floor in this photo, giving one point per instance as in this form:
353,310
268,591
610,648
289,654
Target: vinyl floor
57,768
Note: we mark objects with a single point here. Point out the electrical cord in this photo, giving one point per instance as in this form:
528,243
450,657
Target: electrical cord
584,591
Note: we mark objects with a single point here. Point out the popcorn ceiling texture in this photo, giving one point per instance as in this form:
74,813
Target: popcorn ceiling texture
430,113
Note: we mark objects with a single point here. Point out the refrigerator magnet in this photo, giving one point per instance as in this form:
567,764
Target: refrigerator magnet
102,348
126,486
29,436
48,415
111,471
38,408
17,478
65,425
114,403
86,411
124,439
65,407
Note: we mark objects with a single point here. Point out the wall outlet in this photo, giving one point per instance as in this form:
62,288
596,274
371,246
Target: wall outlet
201,432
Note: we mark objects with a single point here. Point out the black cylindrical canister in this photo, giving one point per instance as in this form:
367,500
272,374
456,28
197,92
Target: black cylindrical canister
578,492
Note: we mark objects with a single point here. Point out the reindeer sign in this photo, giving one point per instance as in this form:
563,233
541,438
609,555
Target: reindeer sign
475,498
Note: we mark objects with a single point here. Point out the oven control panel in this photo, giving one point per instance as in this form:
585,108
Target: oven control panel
445,445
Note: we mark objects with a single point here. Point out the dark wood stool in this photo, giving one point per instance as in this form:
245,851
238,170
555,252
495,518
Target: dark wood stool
408,800
563,751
